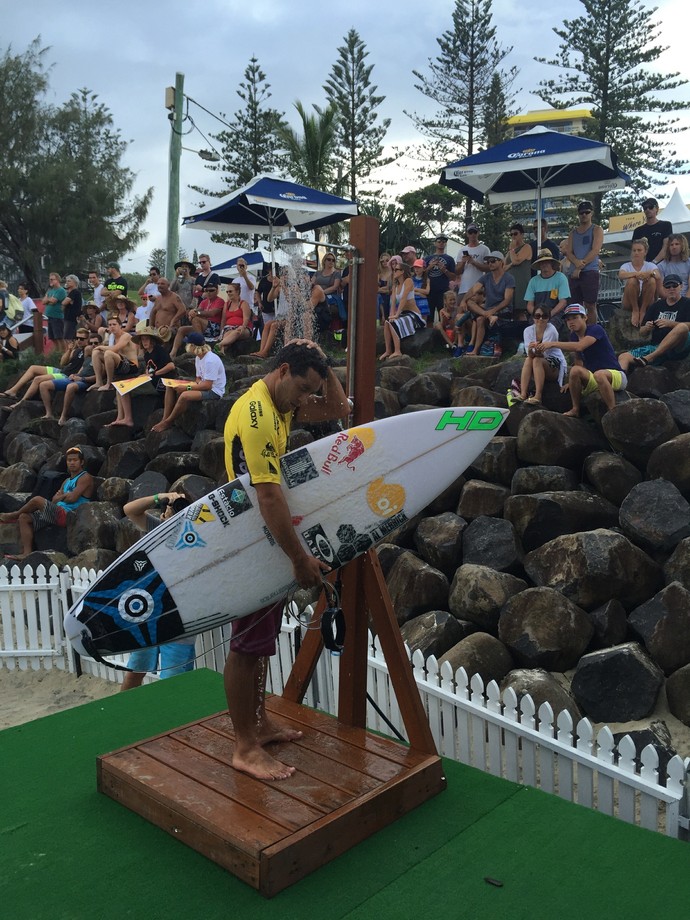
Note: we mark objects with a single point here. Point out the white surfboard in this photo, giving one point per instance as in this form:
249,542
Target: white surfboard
216,560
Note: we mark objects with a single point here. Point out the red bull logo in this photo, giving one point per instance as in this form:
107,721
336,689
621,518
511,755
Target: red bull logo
348,447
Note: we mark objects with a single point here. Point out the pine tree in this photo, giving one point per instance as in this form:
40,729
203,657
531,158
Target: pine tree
359,137
459,81
605,58
494,220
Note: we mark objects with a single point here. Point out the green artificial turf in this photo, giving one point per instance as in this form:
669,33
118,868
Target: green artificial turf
68,852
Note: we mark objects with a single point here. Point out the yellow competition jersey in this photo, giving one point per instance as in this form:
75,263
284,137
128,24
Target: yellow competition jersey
256,436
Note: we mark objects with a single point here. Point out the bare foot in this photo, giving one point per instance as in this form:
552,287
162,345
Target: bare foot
62,421
384,356
16,557
106,386
161,426
94,386
120,421
8,517
47,416
258,763
573,413
15,405
275,733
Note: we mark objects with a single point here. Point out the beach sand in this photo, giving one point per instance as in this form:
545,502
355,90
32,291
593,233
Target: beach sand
28,695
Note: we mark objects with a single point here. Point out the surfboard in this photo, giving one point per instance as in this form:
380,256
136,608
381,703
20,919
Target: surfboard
216,560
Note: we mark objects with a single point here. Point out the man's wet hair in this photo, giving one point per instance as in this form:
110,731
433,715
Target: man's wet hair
300,359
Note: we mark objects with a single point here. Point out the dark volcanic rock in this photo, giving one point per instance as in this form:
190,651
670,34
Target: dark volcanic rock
592,568
386,403
543,629
617,684
610,624
92,525
492,542
540,517
556,440
480,654
663,624
658,736
415,587
430,389
212,460
149,483
172,466
480,499
678,694
96,559
387,554
655,516
435,632
114,490
671,461
677,568
17,478
542,687
476,396
447,500
478,593
678,403
611,475
125,460
540,478
497,463
636,428
439,541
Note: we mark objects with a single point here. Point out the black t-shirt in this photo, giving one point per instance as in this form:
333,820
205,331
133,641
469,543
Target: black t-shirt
117,284
155,359
263,287
74,364
679,313
203,280
655,235
72,311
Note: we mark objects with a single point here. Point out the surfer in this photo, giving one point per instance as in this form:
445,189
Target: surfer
299,387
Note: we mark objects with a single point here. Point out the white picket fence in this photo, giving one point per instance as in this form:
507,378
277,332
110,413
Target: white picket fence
471,723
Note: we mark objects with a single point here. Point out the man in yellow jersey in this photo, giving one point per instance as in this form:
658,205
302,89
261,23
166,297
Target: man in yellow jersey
301,387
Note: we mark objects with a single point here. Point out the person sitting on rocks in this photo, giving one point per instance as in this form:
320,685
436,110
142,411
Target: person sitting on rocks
640,277
547,365
666,321
209,383
157,363
9,346
548,289
48,386
116,360
205,319
676,261
78,383
596,366
92,320
70,363
405,318
498,287
38,512
174,657
123,309
168,309
236,321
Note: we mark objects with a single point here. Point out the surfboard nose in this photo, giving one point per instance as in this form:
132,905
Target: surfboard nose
75,630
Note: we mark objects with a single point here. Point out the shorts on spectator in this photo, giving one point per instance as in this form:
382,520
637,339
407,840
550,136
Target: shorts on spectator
553,362
618,382
407,324
209,394
212,330
585,289
175,658
56,328
69,329
676,355
256,634
126,368
48,516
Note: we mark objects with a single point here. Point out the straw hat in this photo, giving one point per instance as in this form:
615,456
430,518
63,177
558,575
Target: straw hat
545,255
162,333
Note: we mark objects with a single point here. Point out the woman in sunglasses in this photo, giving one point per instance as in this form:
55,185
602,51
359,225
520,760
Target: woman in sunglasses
540,366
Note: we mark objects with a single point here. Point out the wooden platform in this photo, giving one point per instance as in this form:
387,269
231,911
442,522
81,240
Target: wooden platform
348,784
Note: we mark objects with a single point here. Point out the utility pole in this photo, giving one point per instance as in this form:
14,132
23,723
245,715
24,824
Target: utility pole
176,97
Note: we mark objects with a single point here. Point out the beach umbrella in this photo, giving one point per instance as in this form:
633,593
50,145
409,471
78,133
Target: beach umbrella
254,259
268,202
534,165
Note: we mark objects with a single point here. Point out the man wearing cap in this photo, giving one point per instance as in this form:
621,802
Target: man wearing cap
148,293
582,250
115,281
498,287
441,271
409,255
168,310
157,364
473,263
183,284
549,288
655,231
209,383
205,318
666,321
595,364
38,512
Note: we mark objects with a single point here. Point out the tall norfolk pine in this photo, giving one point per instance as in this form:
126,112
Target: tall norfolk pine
605,55
358,136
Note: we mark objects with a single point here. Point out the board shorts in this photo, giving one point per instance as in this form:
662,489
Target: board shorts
56,373
212,330
256,633
56,328
584,289
553,362
69,328
677,354
126,368
407,324
61,383
462,319
175,658
208,394
50,515
618,382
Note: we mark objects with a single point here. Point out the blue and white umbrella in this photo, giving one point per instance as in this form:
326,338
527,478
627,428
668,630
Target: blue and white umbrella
268,202
537,163
254,259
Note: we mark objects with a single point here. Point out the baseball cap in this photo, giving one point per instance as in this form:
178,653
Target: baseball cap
472,227
410,249
113,265
496,255
672,281
575,309
418,263
585,205
650,203
195,338
442,238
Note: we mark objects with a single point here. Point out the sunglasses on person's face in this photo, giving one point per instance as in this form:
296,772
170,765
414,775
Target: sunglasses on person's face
491,261
515,233
673,286
588,211
540,316
329,260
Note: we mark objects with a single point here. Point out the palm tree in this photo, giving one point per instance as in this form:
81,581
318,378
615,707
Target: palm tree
311,155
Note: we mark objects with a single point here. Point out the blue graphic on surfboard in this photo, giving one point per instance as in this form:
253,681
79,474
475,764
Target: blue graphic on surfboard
216,560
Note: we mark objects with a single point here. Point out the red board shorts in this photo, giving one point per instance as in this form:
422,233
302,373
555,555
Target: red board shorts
256,633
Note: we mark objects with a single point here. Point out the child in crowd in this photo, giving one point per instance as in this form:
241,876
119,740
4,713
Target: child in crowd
446,321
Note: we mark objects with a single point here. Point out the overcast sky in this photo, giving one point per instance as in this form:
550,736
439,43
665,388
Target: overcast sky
131,54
